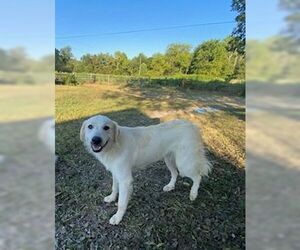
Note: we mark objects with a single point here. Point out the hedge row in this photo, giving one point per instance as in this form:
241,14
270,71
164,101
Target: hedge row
190,82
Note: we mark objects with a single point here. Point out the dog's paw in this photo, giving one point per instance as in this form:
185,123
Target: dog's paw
110,198
115,219
193,196
168,188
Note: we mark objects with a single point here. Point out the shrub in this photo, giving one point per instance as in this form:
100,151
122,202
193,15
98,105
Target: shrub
28,79
71,80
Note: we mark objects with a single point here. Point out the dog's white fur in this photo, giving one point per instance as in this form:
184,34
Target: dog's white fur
47,134
178,142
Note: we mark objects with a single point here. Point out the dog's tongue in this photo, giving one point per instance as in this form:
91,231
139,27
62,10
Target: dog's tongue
96,147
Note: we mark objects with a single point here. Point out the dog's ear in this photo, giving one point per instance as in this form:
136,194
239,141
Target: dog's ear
82,131
116,131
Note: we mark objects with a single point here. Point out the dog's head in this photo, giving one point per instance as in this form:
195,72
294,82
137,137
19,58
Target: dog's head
99,133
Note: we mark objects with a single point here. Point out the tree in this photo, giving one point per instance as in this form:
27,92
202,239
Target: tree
214,58
261,52
239,32
64,59
135,65
236,59
211,58
18,60
58,61
44,64
158,65
86,64
280,63
4,60
291,32
121,63
104,63
178,57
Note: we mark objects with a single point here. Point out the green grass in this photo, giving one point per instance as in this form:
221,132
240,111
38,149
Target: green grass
154,219
23,109
27,174
25,102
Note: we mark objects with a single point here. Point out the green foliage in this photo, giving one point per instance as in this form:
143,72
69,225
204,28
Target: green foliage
266,63
45,64
63,60
291,40
135,64
239,70
121,63
211,58
239,33
200,82
17,68
158,65
14,59
71,80
178,57
214,58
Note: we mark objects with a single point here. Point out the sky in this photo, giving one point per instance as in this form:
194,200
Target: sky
98,17
34,24
29,24
264,19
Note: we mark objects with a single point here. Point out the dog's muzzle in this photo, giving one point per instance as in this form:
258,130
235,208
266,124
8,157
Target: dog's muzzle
96,144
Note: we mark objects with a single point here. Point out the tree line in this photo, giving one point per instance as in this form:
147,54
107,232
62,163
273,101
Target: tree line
17,60
212,58
267,62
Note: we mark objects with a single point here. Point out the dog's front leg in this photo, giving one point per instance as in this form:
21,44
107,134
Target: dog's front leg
125,190
113,196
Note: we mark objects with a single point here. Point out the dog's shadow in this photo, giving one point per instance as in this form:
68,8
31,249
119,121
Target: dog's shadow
153,216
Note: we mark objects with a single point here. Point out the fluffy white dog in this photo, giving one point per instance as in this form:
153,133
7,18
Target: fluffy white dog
120,149
47,134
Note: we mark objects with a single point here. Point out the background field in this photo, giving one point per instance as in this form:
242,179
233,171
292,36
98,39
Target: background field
199,82
154,219
26,167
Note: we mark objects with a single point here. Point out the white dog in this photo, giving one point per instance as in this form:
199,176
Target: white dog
120,149
47,135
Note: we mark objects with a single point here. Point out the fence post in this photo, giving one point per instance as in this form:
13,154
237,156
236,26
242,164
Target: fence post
108,79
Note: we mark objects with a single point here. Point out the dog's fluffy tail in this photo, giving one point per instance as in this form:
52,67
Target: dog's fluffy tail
205,164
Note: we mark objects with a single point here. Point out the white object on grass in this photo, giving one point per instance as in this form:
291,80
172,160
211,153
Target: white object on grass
121,149
205,110
47,135
2,158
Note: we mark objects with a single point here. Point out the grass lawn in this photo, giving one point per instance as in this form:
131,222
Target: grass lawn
154,219
23,109
26,102
27,174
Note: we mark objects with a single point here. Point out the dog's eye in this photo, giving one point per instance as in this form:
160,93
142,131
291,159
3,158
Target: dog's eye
90,126
106,128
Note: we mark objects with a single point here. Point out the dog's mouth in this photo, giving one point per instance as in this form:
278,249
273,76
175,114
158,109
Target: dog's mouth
98,148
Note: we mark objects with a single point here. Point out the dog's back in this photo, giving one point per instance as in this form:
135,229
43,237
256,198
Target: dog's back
154,142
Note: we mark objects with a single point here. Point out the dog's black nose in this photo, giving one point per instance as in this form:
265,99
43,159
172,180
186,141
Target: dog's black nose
96,140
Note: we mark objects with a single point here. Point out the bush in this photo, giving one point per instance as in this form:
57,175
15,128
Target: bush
200,82
71,80
28,79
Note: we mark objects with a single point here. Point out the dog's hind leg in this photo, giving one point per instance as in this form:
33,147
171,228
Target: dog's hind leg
195,187
170,162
